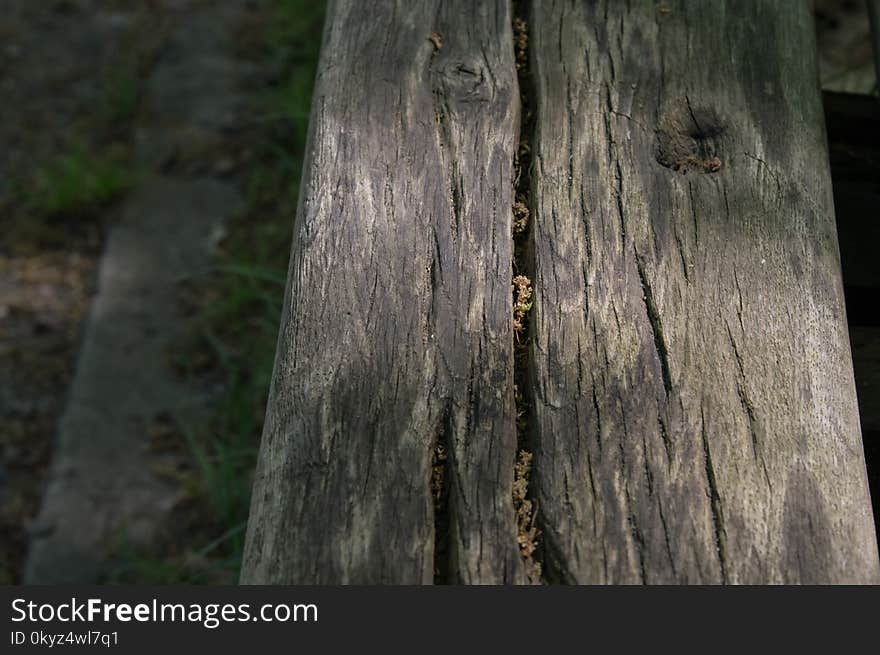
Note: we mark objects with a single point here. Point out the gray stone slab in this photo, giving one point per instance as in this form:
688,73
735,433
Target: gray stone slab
102,486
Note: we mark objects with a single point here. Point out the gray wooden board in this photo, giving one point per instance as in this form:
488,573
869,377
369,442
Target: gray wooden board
695,413
396,330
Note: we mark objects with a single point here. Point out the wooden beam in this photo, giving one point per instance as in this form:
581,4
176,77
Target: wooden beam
695,417
396,331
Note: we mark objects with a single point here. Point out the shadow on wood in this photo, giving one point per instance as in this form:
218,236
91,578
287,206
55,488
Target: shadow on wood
693,414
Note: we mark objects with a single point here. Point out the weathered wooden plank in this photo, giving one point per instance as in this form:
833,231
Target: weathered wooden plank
396,331
695,418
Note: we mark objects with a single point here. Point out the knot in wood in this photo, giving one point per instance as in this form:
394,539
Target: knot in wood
689,139
463,80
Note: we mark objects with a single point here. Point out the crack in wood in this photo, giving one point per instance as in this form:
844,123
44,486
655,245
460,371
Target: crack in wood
714,501
748,408
524,504
656,325
439,489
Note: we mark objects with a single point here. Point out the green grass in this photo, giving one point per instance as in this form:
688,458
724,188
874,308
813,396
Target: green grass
63,194
235,327
241,326
120,93
77,183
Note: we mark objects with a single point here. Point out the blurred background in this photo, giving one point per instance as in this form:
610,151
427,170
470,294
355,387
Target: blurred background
165,137
150,153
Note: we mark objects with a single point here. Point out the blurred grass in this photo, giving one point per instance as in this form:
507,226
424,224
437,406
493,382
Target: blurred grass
64,196
120,92
237,309
240,325
78,183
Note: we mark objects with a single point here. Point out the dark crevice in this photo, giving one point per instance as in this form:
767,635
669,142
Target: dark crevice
749,410
641,547
598,418
681,254
656,327
555,569
612,158
638,537
666,539
439,489
525,506
440,94
715,501
664,436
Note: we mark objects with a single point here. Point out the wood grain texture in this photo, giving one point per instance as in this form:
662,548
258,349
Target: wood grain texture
396,330
695,417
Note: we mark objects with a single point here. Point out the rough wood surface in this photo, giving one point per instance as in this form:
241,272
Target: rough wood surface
694,410
396,330
693,418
